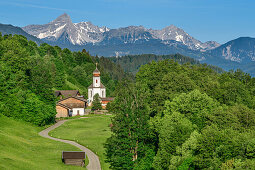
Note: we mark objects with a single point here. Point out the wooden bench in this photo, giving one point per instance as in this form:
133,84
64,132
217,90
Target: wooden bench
74,158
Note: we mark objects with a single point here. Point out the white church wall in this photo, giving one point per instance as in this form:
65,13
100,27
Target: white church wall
103,92
78,110
90,95
96,90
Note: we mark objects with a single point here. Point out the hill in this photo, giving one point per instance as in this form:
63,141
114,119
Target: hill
10,29
183,117
241,50
235,54
29,74
132,63
22,148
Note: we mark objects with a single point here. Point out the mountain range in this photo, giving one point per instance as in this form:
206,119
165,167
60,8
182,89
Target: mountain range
62,30
133,40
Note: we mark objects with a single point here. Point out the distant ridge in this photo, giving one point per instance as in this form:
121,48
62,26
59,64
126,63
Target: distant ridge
10,29
64,32
241,50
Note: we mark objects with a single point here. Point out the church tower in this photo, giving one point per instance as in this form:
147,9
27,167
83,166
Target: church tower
96,87
96,77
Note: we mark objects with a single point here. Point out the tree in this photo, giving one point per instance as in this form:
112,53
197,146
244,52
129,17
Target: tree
196,106
173,130
96,104
131,142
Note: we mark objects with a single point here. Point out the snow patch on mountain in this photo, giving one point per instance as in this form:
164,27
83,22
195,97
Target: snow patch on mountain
85,32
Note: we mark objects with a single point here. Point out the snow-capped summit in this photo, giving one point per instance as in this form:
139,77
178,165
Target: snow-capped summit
174,33
63,31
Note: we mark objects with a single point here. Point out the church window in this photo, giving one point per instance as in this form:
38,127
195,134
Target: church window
96,81
102,93
91,93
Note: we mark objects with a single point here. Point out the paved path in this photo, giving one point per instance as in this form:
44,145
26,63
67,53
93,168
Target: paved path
94,163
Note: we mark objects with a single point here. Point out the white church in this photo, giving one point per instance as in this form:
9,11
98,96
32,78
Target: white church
96,87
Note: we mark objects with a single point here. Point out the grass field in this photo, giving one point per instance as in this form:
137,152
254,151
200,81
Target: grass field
22,148
91,132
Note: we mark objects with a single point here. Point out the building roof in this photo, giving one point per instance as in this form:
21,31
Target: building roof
101,86
63,105
78,98
96,71
73,155
67,93
107,99
72,105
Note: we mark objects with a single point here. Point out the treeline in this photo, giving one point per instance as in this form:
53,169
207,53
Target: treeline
132,63
29,74
183,117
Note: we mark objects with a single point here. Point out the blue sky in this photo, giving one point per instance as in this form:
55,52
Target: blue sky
219,20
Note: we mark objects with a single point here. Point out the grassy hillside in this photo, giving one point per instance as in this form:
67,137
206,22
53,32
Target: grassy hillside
91,132
22,148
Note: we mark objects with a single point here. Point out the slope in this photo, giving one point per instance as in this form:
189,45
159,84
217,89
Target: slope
132,63
22,148
10,29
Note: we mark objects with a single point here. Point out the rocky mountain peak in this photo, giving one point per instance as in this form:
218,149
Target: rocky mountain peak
64,18
63,30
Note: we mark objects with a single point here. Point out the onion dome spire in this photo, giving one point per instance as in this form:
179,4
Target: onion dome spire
96,72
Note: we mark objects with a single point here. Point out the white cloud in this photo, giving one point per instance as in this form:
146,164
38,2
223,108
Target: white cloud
34,6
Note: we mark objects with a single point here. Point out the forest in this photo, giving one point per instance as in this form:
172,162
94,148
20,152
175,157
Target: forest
183,117
29,74
132,63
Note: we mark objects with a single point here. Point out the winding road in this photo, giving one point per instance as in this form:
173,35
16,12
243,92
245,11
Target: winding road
94,163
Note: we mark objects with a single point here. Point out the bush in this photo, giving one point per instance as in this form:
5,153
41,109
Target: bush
96,104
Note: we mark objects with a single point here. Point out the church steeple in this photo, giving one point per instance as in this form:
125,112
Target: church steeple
96,72
96,87
96,77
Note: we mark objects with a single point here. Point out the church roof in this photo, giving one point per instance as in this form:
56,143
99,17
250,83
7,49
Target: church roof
96,71
101,86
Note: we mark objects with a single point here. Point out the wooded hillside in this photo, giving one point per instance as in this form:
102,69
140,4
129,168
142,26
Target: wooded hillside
183,117
29,74
132,63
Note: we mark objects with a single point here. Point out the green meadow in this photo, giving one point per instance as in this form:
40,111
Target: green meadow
22,148
90,132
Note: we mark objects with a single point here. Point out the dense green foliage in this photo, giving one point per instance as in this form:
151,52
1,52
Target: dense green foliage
130,145
29,74
198,119
96,104
132,63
